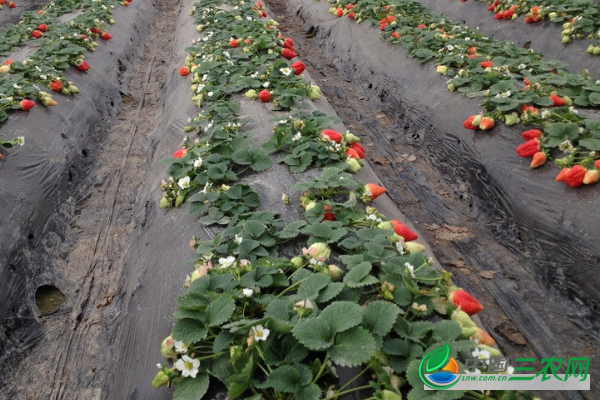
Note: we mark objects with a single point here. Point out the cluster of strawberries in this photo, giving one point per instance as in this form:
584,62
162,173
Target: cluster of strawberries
339,11
260,10
578,175
475,122
10,4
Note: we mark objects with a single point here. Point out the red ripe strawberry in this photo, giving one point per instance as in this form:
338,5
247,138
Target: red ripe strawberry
259,4
472,56
263,14
486,64
184,71
499,15
508,14
351,15
289,41
557,100
180,153
465,302
287,53
530,109
383,21
82,66
531,134
472,50
36,34
574,177
328,215
383,26
27,105
396,35
233,43
105,36
298,67
8,62
42,27
526,82
529,148
536,18
528,20
339,11
359,149
390,18
373,191
288,45
349,6
280,36
561,175
95,30
491,7
534,9
467,124
539,159
332,135
12,5
403,230
352,154
56,85
597,164
264,96
3,2
486,123
421,26
247,41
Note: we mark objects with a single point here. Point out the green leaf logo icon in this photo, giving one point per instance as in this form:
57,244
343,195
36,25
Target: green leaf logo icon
437,358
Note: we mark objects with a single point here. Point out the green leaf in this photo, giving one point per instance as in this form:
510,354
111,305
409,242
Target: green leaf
353,347
192,388
284,379
219,310
446,331
395,347
309,289
308,392
254,228
359,276
286,351
330,292
590,144
291,230
380,316
222,340
403,296
314,333
189,330
594,98
342,315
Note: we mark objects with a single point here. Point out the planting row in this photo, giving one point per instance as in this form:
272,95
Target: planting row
517,85
58,45
262,316
580,19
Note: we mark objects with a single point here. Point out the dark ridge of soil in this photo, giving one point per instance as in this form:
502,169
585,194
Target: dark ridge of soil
67,354
523,313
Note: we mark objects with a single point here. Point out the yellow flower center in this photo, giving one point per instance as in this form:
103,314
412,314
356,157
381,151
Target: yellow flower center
259,333
189,365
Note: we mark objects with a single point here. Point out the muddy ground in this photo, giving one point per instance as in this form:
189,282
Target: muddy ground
103,342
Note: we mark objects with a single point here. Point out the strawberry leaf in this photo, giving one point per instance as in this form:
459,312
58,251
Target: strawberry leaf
219,311
380,316
353,347
192,388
